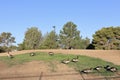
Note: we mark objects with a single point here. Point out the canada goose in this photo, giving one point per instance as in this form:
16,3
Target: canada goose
98,68
66,61
75,59
112,69
10,56
32,54
107,68
51,53
89,70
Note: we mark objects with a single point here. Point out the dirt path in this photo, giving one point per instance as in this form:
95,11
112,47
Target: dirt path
107,55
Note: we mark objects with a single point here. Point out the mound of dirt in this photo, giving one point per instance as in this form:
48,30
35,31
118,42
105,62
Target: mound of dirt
107,55
35,68
2,66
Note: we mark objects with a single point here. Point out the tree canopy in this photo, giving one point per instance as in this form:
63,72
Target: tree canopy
6,40
70,36
107,38
32,38
50,41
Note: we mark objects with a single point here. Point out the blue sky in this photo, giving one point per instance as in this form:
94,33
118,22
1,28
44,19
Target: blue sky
89,15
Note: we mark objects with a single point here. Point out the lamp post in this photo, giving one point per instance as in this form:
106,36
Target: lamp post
54,28
54,35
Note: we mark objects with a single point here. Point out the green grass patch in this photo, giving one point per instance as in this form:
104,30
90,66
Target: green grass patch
83,63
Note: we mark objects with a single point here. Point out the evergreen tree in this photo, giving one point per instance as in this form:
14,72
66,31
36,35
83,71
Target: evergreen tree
107,38
32,38
49,41
70,36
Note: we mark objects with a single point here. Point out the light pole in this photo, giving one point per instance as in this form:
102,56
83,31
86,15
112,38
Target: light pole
54,28
54,36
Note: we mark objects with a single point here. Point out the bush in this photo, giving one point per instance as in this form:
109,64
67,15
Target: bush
3,49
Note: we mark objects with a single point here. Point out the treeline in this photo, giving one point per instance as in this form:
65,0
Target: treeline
68,38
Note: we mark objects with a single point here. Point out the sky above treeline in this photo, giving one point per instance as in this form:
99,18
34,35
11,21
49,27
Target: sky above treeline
89,15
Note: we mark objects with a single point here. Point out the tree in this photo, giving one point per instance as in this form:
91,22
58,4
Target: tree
7,40
21,46
0,39
70,36
84,43
107,38
50,41
32,38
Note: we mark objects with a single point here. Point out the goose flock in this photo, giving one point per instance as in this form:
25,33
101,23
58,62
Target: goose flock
75,59
99,68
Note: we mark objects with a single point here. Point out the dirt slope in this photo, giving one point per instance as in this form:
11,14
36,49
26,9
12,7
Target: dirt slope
32,71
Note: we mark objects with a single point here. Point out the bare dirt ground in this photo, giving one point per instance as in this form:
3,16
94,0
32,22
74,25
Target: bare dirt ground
33,70
39,70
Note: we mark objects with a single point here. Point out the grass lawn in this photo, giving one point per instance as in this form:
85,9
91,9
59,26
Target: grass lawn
83,63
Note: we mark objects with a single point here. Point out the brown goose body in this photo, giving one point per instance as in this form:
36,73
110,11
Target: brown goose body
32,54
51,53
65,61
75,59
10,56
98,68
89,70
